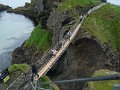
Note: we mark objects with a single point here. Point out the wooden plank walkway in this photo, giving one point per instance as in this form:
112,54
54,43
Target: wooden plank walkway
59,53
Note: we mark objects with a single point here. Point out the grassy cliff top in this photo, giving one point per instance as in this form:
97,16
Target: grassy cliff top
69,4
103,85
104,24
40,39
19,67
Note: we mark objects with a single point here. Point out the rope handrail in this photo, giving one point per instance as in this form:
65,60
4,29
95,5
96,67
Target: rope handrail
99,78
89,79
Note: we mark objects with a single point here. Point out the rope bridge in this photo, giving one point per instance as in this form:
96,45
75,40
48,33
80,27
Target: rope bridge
24,79
44,69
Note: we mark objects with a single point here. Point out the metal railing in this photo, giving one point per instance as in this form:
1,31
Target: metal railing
40,86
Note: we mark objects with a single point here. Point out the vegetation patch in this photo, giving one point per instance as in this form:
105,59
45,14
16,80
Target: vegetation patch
103,85
47,81
40,39
69,4
19,67
104,24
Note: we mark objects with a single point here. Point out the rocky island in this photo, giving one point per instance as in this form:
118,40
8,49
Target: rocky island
4,7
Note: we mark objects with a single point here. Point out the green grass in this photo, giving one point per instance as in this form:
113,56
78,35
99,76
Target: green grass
104,24
40,39
47,85
15,71
103,85
69,4
19,67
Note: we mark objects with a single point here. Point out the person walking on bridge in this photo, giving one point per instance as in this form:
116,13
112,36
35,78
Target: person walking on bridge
61,44
69,35
81,17
54,52
35,77
34,72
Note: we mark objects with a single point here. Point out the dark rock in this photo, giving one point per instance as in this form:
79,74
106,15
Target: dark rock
50,4
30,13
25,55
27,4
29,10
39,6
4,7
54,24
2,87
47,6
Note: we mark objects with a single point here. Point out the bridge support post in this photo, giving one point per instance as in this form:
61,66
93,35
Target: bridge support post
116,87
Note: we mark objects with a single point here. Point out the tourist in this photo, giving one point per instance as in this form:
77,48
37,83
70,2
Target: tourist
61,44
34,72
81,17
54,52
69,35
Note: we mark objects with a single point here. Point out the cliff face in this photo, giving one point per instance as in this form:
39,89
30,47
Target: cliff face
25,55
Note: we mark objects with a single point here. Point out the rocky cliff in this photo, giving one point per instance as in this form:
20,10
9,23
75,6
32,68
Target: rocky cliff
29,10
4,7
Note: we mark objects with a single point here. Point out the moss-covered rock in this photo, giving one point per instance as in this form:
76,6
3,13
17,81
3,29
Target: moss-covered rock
103,85
69,4
14,71
104,25
47,81
40,39
19,67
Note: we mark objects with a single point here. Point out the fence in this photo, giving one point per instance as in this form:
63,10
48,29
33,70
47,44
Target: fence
81,84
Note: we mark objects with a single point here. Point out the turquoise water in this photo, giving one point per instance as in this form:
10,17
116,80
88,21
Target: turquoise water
14,30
